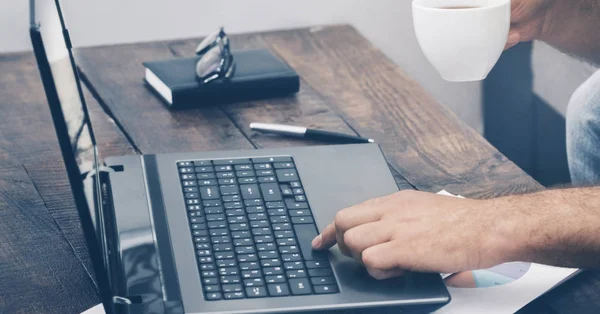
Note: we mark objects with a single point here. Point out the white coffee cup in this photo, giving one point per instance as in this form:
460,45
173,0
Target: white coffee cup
463,39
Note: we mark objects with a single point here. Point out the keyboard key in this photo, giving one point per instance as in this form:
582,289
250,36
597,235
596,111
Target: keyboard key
198,226
220,239
233,295
237,219
275,279
279,219
303,220
292,204
205,259
231,162
217,224
239,227
245,174
270,192
263,239
264,166
194,210
247,258
213,296
259,224
205,267
300,198
250,191
226,181
255,209
243,167
202,246
212,203
264,173
286,242
184,164
210,193
230,279
223,168
289,249
226,263
284,234
213,210
197,220
212,288
215,217
300,286
245,250
268,255
203,253
240,234
219,232
325,289
229,190
286,175
322,281
254,282
236,287
286,190
278,290
283,226
191,195
224,255
228,271
204,169
316,264
293,265
208,274
270,262
253,202
210,281
200,163
276,211
201,239
299,212
225,175
186,170
248,274
266,246
295,184
283,165
271,205
266,179
257,216
235,212
261,231
256,292
243,242
298,191
189,176
249,266
200,233
222,247
204,176
192,202
271,159
233,205
247,180
231,198
191,189
268,271
290,257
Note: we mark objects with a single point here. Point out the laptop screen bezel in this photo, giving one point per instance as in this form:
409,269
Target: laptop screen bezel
74,175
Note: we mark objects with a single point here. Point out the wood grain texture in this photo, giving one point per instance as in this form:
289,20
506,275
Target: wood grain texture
39,272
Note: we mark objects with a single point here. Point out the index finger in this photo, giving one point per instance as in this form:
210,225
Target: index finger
326,239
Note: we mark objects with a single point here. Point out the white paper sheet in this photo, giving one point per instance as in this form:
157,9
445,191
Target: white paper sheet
506,298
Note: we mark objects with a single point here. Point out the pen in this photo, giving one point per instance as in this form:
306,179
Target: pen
298,131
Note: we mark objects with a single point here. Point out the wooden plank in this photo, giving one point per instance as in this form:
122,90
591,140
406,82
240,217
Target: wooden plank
423,140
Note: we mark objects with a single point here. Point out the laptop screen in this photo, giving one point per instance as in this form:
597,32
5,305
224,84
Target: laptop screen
71,120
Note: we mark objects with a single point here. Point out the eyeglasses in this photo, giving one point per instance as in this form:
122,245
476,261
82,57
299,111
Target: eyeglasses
216,62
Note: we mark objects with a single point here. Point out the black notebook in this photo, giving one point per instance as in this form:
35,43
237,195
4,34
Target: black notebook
259,74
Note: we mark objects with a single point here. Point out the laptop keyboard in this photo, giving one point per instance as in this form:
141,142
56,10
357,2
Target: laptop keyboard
252,229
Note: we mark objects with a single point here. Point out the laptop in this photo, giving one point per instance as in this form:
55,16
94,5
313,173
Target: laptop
216,232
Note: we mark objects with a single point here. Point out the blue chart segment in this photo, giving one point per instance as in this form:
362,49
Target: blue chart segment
495,276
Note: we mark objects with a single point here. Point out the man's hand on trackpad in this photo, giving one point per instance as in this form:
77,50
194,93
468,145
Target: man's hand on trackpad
416,231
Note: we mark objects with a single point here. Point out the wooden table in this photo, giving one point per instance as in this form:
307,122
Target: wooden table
347,85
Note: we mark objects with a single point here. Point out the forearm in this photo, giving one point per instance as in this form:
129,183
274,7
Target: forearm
556,227
573,26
